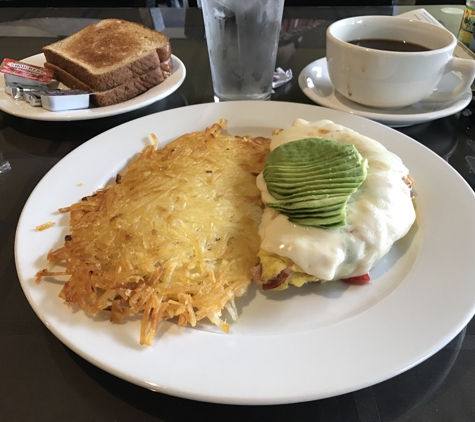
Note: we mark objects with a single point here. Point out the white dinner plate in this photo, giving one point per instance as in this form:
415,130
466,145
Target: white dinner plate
288,346
25,110
315,83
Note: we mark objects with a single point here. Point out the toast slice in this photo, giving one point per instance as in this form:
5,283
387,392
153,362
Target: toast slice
110,53
120,93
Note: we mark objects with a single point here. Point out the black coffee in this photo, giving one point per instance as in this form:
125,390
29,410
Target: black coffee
389,45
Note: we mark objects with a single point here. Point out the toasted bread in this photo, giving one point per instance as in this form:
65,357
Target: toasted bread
119,93
110,53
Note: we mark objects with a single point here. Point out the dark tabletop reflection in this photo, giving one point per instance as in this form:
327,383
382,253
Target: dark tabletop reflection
392,400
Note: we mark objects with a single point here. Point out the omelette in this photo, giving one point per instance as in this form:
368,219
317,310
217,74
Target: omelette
335,203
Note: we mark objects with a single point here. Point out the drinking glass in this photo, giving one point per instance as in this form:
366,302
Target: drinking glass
242,38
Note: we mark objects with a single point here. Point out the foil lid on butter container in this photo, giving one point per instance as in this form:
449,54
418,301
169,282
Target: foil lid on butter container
17,90
33,98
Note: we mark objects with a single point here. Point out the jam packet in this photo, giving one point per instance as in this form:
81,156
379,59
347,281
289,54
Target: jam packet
19,72
63,100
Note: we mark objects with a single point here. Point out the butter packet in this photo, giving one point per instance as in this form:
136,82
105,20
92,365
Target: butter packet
17,91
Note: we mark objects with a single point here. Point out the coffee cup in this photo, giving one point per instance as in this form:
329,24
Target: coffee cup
391,62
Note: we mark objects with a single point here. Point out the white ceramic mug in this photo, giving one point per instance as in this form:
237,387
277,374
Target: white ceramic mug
390,79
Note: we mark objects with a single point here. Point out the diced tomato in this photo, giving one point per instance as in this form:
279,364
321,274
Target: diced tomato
359,279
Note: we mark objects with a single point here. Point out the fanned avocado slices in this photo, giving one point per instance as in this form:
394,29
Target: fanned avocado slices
316,204
313,179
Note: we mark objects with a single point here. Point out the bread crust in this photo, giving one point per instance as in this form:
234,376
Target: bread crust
167,67
110,53
118,94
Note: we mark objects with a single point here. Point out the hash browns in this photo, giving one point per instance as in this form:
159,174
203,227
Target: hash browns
175,237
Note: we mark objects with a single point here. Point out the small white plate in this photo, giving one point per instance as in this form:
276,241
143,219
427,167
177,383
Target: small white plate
296,345
25,110
315,83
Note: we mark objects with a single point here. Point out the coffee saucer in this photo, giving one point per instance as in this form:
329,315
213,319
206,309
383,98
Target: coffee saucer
315,83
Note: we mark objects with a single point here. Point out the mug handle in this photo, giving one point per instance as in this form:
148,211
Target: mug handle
466,68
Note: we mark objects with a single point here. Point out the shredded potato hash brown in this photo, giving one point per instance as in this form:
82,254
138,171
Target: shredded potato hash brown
45,226
175,237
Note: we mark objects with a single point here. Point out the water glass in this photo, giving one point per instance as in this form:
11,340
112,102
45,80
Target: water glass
242,38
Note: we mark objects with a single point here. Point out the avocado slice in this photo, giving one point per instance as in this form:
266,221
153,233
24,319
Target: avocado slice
312,180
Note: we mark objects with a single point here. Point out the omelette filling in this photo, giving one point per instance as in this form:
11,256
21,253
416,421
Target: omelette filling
173,238
329,218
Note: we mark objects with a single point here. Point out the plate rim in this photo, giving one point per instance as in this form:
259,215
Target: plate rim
393,120
177,78
202,112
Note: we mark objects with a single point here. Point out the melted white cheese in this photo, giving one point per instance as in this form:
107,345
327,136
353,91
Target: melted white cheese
379,213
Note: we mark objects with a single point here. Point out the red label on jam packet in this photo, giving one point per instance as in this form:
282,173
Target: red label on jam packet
25,70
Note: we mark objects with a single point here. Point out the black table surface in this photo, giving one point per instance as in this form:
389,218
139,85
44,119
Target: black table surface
43,380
